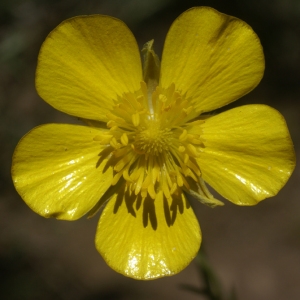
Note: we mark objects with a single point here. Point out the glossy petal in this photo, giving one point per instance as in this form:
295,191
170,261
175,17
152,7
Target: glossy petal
248,154
140,244
58,172
85,63
213,58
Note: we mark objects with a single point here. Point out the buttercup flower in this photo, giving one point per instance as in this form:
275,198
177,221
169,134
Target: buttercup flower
149,140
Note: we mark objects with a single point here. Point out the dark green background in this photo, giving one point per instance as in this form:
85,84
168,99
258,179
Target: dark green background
255,249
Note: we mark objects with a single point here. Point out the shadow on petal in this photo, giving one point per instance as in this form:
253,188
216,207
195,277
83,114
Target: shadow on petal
149,213
119,200
150,207
138,202
130,198
170,211
167,212
55,215
104,154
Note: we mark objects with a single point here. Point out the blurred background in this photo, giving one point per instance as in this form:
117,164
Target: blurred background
255,250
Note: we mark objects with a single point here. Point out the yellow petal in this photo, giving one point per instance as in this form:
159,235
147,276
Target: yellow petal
85,63
140,241
213,58
248,154
58,172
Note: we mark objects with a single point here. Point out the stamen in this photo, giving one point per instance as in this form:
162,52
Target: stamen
183,136
162,98
116,178
124,139
186,158
191,149
151,191
114,143
136,119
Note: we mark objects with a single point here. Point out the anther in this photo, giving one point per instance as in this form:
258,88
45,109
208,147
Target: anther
192,150
136,119
114,143
183,136
124,139
162,98
186,158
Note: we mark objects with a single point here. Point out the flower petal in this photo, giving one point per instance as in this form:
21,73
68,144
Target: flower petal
57,170
248,154
213,58
143,242
85,63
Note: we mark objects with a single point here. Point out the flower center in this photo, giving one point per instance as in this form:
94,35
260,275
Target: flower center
154,144
152,140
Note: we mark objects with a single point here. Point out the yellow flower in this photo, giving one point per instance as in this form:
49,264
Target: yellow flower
148,140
